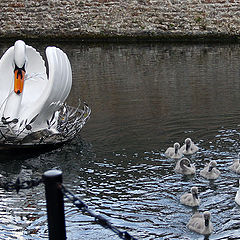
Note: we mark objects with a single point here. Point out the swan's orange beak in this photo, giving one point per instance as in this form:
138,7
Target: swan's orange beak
18,80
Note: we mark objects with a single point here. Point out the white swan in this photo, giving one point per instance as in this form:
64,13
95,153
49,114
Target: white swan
201,223
237,197
30,101
190,199
185,167
189,147
235,167
174,152
210,171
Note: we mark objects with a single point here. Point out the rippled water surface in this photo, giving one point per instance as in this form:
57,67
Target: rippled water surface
143,98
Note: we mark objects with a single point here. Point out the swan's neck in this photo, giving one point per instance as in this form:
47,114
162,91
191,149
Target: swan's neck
210,168
206,222
188,145
195,196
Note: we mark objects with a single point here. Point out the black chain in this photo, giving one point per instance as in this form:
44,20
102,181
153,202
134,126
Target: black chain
98,219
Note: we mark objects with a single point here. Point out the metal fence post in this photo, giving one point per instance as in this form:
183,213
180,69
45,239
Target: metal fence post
55,205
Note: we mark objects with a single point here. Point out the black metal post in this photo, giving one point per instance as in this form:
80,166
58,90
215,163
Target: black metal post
55,205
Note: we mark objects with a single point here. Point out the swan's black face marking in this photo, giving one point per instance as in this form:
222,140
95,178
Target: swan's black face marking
176,150
206,216
18,68
188,144
210,168
176,147
212,165
206,221
195,194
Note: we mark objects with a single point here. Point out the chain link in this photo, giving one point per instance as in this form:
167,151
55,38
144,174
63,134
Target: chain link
98,219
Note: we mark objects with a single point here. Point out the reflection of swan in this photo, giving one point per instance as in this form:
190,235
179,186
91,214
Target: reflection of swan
189,147
201,223
184,167
237,197
32,104
235,167
174,152
190,199
210,171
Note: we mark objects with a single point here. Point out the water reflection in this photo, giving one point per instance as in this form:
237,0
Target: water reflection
143,98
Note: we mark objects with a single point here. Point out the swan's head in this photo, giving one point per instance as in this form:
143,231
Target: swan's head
212,165
185,162
176,147
194,191
206,216
19,68
188,142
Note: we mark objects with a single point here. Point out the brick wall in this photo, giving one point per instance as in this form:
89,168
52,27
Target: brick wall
119,18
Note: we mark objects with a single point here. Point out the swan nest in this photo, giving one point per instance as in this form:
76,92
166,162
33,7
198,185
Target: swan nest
69,123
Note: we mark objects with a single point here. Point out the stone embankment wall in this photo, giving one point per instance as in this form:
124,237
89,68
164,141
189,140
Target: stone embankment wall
121,19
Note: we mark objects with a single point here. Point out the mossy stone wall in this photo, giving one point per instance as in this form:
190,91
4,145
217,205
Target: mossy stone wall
97,19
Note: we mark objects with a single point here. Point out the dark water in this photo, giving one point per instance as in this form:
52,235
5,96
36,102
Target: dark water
143,98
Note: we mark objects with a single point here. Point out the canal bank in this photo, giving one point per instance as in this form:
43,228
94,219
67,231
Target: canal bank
168,20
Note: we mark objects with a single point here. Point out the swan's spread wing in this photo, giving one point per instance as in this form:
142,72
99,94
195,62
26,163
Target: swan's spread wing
60,74
35,63
57,89
35,82
6,76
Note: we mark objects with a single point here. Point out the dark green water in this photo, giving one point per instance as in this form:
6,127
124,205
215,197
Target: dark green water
144,97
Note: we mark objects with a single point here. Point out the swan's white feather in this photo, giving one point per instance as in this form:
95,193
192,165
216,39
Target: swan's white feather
6,70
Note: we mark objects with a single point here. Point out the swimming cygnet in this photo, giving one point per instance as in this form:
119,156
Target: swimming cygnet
189,147
210,171
201,223
185,167
237,197
190,199
174,152
235,167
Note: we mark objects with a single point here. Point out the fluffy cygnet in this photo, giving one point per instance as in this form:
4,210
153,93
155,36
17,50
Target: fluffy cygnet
201,223
189,147
185,167
210,171
190,199
235,167
174,152
237,197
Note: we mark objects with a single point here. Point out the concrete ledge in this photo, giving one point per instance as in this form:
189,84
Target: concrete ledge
111,38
